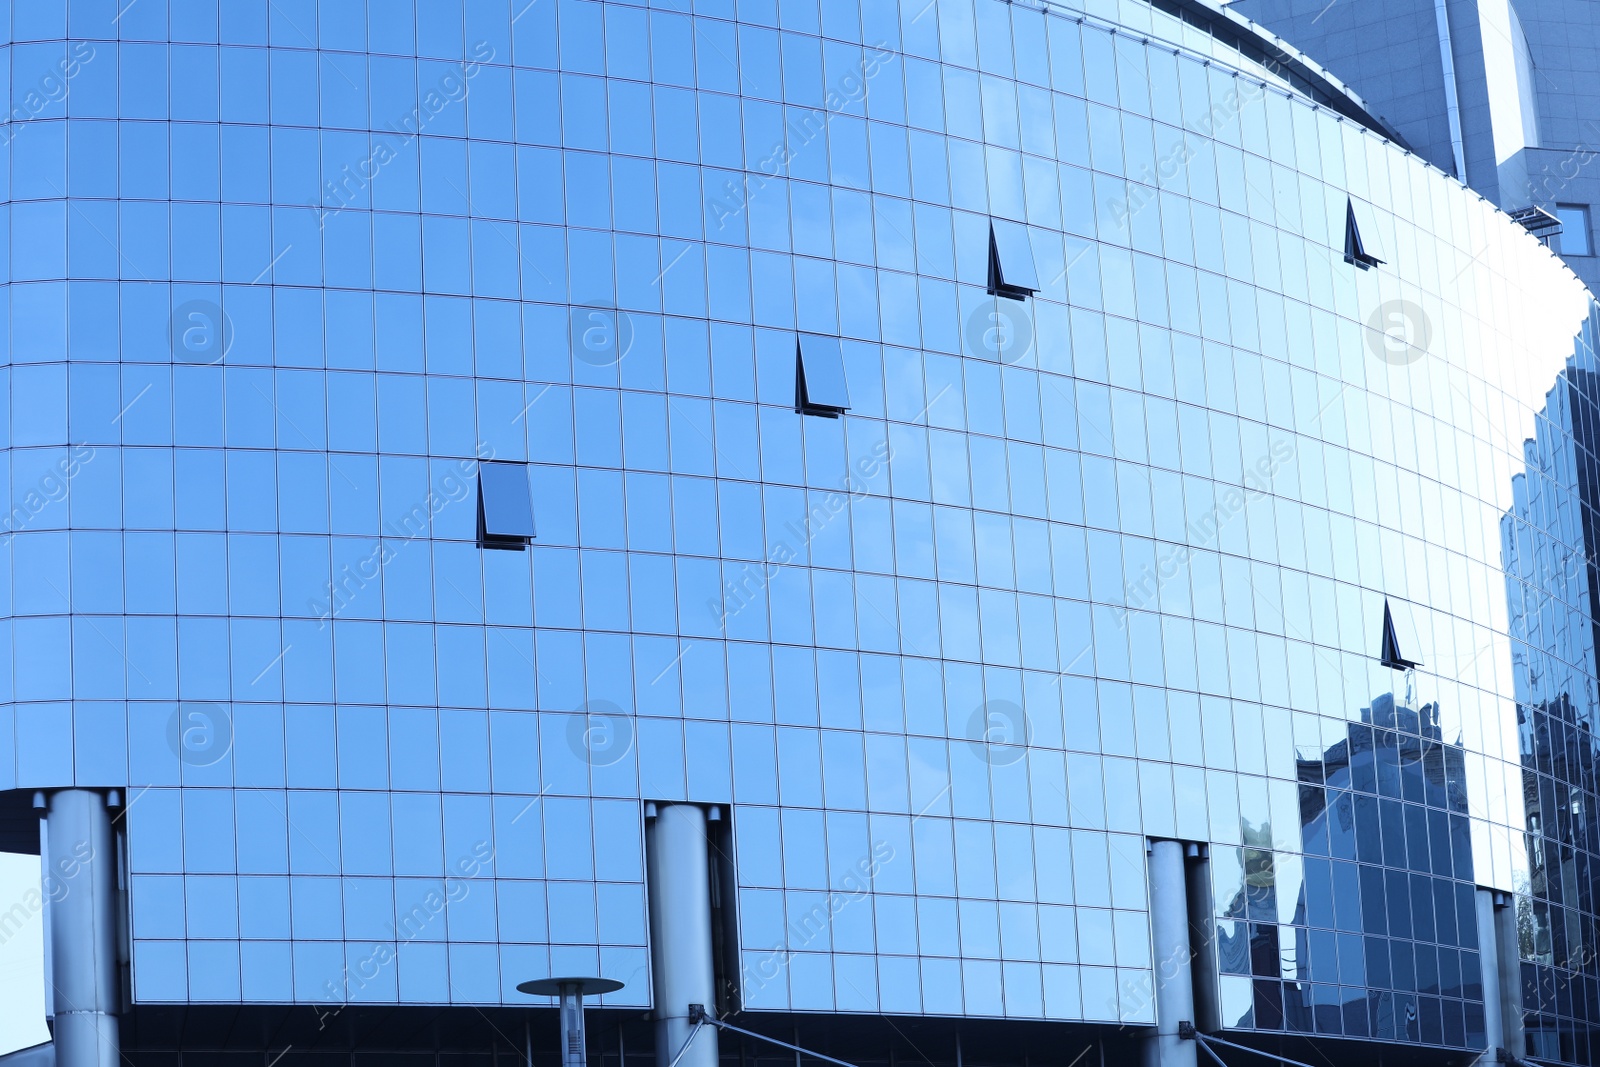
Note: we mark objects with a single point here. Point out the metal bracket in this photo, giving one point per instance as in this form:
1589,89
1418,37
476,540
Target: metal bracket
1186,1030
698,1014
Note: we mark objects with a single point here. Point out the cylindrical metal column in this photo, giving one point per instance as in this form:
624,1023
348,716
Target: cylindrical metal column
1169,938
1202,932
1509,950
81,884
574,1052
680,933
1489,959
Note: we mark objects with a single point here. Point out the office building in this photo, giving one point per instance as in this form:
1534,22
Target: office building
971,531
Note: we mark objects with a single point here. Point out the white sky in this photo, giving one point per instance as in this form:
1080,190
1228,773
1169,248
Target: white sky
21,955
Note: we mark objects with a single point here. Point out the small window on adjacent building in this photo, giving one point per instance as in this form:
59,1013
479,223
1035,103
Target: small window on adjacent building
1012,271
819,385
1356,249
1574,230
505,506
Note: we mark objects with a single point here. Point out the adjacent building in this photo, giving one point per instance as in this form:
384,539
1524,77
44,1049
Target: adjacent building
1503,94
977,531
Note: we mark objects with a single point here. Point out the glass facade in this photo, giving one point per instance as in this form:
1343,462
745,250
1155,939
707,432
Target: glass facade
1385,947
1550,586
957,446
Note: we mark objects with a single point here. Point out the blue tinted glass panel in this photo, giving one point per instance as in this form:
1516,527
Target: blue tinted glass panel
505,499
1013,253
821,371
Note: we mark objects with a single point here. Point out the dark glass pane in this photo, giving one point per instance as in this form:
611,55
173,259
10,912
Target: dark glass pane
1264,957
1309,771
1325,1000
1411,783
1297,1008
1455,1024
1352,960
1455,770
1405,1011
1439,842
1398,888
1269,1005
1363,769
1444,912
1434,774
1260,894
1356,1022
1376,951
1403,966
1450,972
1313,820
1373,908
1466,915
1347,895
1432,1021
1369,839
1471,976
1387,758
1233,947
1476,1036
1323,965
1427,969
1385,1026
1461,847
1422,907
1394,833
1336,766
1319,894
1341,823
1417,857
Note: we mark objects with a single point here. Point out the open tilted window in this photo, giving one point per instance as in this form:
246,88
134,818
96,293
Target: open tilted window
1012,271
505,506
1389,655
1356,250
819,385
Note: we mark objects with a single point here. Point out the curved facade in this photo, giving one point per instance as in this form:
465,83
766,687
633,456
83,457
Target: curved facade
943,604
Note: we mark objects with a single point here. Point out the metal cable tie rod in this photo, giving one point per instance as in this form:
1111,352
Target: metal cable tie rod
772,1040
1205,1039
689,1040
1209,1052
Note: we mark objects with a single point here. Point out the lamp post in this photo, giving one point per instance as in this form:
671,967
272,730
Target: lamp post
570,992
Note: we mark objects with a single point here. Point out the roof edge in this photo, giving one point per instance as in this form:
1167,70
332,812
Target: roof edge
1300,69
1255,42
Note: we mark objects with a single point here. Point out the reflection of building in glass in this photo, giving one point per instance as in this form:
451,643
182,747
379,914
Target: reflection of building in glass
1549,540
1561,983
1372,930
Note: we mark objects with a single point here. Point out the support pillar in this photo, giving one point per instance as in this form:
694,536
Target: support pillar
1169,938
574,1041
680,932
1509,951
1489,958
1202,940
81,884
